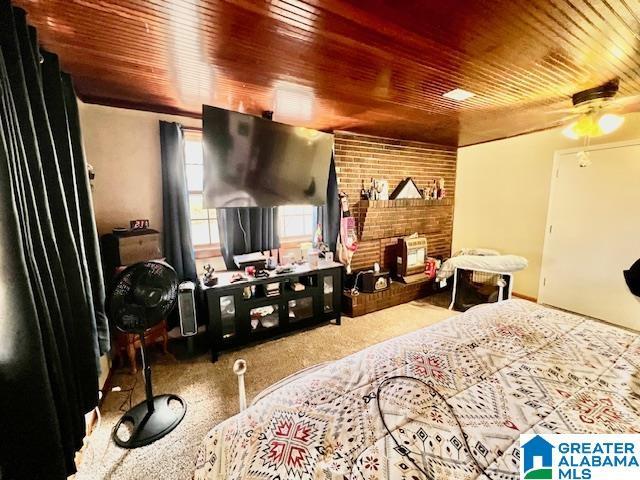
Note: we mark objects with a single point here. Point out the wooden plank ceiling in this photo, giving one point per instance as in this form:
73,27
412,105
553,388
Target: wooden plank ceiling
377,66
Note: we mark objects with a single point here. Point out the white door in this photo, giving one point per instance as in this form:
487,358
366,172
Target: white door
593,234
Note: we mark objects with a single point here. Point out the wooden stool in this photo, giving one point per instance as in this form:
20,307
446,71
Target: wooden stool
129,342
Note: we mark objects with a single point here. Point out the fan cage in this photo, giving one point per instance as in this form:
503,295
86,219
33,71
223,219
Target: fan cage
124,306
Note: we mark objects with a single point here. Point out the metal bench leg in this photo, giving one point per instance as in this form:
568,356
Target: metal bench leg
510,286
455,286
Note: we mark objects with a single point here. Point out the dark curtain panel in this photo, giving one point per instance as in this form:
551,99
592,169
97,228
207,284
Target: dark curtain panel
87,219
247,230
176,230
52,324
328,215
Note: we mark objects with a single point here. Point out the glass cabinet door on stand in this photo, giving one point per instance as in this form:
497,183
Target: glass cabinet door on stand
228,315
264,317
327,294
300,309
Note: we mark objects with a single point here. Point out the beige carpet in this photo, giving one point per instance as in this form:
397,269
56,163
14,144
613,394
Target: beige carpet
210,389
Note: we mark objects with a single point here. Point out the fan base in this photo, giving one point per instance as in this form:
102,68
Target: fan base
147,427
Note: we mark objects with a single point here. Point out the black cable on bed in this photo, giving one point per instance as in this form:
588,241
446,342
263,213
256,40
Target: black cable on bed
402,450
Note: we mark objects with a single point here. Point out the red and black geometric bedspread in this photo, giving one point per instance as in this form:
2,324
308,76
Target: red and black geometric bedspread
506,369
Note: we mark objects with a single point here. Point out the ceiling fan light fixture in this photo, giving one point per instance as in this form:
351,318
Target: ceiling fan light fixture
570,131
585,126
610,122
590,125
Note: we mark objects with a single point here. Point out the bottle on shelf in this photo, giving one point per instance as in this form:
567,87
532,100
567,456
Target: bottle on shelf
364,195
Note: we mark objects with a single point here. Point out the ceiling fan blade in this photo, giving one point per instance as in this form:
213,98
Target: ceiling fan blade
576,110
568,118
626,104
627,99
561,110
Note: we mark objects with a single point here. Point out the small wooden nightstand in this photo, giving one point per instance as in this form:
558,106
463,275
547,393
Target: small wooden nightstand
129,343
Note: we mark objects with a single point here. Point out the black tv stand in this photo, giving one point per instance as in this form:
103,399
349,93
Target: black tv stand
257,309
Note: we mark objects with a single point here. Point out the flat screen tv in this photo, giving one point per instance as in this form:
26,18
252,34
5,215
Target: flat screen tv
254,162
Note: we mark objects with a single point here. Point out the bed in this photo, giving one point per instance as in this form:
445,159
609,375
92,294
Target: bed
505,369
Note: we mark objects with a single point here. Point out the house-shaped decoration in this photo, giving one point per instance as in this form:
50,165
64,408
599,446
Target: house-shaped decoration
406,189
538,447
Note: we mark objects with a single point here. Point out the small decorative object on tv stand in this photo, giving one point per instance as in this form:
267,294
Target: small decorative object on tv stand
256,309
208,277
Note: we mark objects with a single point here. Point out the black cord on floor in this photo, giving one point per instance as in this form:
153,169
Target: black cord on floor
129,396
402,449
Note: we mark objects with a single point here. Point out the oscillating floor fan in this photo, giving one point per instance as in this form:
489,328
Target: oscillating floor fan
142,296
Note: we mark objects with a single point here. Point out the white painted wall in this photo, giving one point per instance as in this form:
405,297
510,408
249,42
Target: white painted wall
123,146
502,195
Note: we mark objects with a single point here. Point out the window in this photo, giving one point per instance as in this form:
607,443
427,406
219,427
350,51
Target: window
204,226
295,221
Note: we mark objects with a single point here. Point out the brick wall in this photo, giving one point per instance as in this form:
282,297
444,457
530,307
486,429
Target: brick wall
359,158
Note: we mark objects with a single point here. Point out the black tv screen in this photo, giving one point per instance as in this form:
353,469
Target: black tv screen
253,162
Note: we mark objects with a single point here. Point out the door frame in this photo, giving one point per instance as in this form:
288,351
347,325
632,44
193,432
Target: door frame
553,193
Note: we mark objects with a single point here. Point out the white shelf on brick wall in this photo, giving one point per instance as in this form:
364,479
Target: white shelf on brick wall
405,202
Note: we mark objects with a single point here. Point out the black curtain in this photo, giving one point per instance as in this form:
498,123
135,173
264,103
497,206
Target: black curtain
52,323
176,230
247,230
328,215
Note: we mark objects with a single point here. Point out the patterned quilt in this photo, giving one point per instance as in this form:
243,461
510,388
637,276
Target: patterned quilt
506,369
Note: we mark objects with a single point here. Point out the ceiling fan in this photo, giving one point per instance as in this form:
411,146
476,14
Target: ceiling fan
596,112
